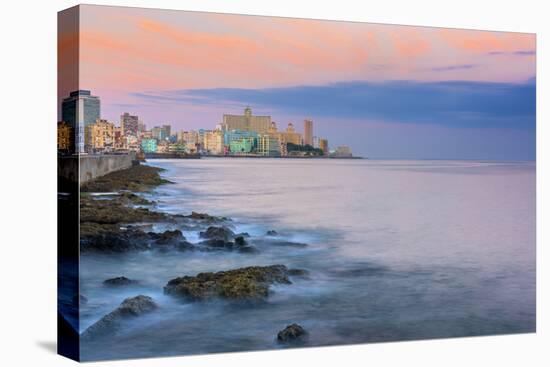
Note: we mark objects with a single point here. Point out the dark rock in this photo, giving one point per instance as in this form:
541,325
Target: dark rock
119,281
291,333
101,222
239,244
167,237
220,233
137,305
112,239
115,211
271,233
113,321
240,241
243,246
251,283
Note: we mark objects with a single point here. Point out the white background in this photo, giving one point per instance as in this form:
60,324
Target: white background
28,182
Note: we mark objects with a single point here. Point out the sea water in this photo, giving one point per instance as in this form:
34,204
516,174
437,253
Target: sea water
396,250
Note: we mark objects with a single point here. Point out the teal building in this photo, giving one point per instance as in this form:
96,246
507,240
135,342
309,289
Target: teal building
149,145
242,145
240,141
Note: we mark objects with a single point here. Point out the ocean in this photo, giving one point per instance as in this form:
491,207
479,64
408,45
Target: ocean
396,250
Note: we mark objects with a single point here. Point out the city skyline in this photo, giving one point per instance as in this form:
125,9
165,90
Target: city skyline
82,130
388,91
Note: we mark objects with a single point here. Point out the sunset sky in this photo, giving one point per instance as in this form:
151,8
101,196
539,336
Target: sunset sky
387,91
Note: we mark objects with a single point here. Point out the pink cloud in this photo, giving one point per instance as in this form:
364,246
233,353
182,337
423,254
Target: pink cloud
126,50
484,41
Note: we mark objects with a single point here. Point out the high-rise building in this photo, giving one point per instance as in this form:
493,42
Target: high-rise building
247,122
79,110
129,124
308,132
167,130
161,132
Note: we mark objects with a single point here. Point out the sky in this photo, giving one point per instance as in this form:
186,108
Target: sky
387,91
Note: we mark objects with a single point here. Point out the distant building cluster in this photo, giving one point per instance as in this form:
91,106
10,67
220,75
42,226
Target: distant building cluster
82,130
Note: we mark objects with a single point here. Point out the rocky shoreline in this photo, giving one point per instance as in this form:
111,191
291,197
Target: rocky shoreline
115,219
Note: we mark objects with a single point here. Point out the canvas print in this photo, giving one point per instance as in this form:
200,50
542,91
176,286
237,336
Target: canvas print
235,183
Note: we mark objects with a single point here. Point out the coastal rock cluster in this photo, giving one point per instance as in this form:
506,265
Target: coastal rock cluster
120,221
223,238
137,178
113,321
250,283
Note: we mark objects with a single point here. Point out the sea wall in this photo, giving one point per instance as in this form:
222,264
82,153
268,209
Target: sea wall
92,166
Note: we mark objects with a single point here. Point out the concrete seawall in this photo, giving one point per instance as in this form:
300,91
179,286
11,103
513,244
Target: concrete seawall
92,166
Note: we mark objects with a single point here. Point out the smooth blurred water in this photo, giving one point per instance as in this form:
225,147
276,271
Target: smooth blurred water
397,250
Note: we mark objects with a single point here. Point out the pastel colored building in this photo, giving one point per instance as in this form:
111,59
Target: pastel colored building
65,138
213,142
99,136
290,135
231,135
242,145
247,122
176,148
149,145
268,145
